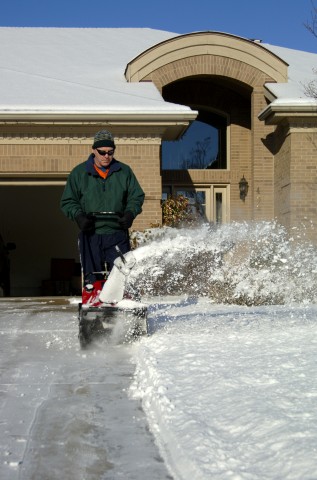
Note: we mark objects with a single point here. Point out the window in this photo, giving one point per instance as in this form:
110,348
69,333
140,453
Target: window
203,145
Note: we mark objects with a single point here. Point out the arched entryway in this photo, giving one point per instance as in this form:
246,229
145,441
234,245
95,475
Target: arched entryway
223,105
222,77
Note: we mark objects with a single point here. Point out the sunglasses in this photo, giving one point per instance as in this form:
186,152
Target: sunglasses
103,153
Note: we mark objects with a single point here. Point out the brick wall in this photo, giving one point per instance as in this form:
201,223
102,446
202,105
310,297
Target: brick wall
303,176
262,161
282,175
144,159
295,176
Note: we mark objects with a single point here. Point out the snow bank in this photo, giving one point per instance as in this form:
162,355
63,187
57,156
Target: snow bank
230,392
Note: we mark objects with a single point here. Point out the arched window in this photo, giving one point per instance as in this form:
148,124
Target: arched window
203,145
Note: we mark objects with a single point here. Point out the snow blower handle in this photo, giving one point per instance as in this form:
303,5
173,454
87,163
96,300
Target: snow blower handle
106,214
120,254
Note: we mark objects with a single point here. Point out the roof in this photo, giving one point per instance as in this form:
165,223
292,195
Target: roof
82,70
66,69
301,71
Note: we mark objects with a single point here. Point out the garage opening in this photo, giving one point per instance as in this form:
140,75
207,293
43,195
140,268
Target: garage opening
45,260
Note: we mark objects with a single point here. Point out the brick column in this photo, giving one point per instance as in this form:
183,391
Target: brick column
261,184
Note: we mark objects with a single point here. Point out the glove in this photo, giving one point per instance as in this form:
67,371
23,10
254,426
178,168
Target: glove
126,220
85,222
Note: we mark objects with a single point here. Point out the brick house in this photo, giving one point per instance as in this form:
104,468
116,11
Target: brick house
192,113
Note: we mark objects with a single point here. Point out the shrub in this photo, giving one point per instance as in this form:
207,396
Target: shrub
177,211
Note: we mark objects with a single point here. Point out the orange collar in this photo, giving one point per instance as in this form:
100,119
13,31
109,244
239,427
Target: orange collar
102,173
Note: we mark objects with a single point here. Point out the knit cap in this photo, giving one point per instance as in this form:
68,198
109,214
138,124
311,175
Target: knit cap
103,138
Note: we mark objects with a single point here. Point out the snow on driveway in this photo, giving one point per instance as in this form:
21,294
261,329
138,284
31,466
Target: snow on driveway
66,413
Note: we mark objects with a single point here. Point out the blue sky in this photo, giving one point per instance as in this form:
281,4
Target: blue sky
278,22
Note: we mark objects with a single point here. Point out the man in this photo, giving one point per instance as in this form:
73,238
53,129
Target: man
102,184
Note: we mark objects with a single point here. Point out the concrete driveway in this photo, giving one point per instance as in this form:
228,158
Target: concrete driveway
65,412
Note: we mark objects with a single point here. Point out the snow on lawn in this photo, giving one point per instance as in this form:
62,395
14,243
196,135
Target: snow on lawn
231,392
228,377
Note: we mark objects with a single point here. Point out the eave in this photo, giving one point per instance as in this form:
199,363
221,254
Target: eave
282,109
170,124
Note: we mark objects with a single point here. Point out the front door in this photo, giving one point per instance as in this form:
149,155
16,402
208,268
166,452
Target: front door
211,202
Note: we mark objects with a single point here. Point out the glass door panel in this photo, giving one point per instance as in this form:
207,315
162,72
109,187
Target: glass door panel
211,203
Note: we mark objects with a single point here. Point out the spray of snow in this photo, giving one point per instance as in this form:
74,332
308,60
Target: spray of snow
239,263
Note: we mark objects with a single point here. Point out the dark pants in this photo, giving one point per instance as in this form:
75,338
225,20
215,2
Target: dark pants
97,252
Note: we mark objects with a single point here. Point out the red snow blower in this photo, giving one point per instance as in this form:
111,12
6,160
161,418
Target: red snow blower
106,305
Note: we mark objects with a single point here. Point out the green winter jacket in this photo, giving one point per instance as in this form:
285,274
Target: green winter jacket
87,192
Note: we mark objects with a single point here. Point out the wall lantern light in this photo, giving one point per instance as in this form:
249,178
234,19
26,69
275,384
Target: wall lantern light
243,187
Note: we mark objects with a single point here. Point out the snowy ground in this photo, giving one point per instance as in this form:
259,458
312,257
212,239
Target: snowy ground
66,413
231,392
228,391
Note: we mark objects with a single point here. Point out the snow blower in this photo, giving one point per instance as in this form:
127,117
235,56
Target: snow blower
106,305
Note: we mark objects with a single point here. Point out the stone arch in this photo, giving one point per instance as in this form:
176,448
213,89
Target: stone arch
207,53
235,71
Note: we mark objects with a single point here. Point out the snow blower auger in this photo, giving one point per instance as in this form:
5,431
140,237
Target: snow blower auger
106,307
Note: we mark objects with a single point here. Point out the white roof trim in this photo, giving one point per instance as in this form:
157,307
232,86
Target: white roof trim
110,116
291,106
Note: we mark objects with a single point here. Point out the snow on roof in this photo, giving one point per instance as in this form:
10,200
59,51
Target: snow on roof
301,71
82,69
63,69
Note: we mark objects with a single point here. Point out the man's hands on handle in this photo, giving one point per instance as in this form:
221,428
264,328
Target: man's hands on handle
126,220
86,222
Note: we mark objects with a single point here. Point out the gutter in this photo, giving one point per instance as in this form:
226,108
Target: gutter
122,117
